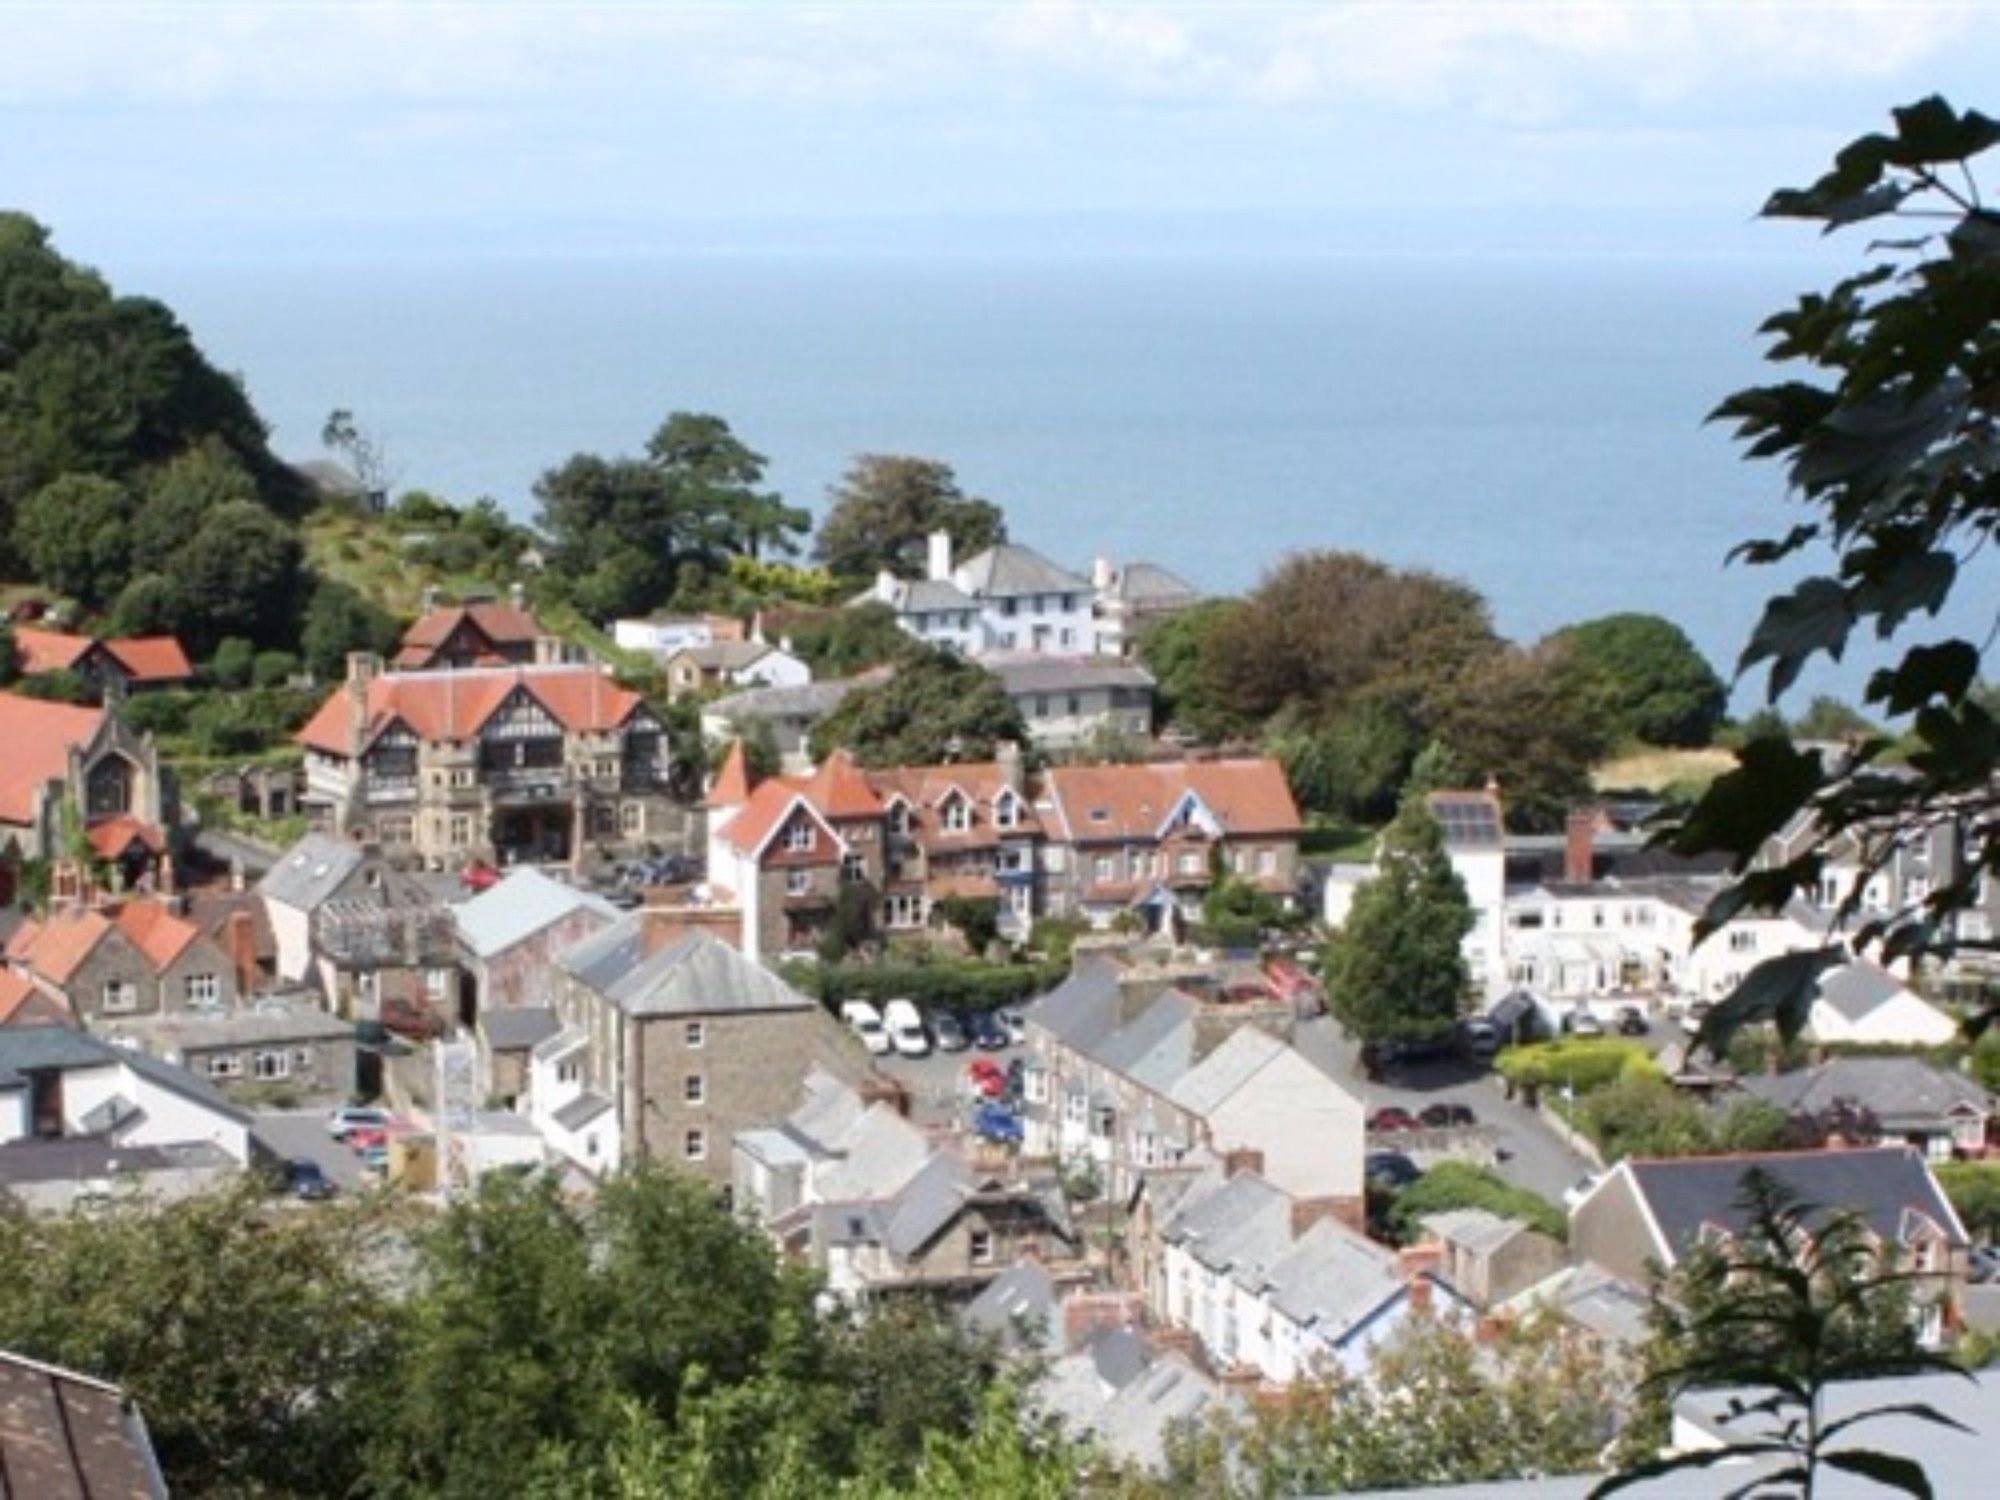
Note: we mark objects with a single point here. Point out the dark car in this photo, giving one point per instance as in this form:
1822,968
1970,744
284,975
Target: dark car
1448,1116
1391,1169
304,1179
987,1032
1632,1021
1392,1118
948,1031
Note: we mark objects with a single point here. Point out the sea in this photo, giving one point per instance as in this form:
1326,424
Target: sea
1533,425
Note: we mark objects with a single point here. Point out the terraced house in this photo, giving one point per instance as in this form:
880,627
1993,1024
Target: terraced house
504,764
1086,840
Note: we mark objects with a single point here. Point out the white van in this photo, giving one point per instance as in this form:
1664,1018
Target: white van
866,1022
906,1028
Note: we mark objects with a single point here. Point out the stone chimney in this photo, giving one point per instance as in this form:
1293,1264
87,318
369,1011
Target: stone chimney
880,1088
1242,1159
517,594
940,555
168,884
429,599
1102,574
1307,1212
1007,755
239,941
1414,1261
1579,844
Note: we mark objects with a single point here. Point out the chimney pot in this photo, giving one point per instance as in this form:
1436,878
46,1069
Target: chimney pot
940,555
1579,845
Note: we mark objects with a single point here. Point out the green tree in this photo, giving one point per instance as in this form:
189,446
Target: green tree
937,707
76,536
1396,970
1515,721
339,620
1886,437
233,662
250,1337
178,498
241,574
1645,679
1830,718
1178,649
1974,1190
145,606
1463,1184
1799,1300
1351,766
717,476
885,508
841,642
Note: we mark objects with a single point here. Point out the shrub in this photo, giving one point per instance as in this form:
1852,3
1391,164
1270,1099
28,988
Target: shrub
160,713
1974,1190
60,686
1578,1063
957,984
273,668
1462,1184
234,660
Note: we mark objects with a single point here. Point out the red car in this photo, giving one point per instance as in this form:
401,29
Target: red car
987,1077
1392,1118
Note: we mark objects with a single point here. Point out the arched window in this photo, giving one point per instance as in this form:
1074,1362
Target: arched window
107,787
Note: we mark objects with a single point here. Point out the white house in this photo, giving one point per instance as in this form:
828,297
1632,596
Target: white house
662,635
1068,701
1861,1003
1007,598
57,1084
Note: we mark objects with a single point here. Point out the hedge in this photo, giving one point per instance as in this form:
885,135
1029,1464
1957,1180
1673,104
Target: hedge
959,984
1582,1063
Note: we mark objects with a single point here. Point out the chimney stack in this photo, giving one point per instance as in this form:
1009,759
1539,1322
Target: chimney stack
239,941
429,601
1102,574
940,555
666,923
1242,1159
1579,845
517,594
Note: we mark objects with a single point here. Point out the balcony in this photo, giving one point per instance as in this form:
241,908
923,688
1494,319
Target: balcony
528,783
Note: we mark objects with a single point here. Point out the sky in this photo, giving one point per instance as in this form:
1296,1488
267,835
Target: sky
227,131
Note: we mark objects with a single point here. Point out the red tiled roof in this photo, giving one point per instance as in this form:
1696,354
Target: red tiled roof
839,790
502,624
57,946
111,837
453,705
731,787
15,992
151,658
765,811
48,650
155,931
1247,796
35,739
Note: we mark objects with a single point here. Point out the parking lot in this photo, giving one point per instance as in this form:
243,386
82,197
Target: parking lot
939,1093
293,1134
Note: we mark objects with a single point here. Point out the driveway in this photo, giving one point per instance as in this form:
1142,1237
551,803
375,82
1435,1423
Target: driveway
292,1133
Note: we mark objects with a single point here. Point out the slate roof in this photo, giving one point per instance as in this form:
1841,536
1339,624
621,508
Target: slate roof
1895,1089
926,1204
1240,1227
1013,570
310,871
1857,989
28,1048
64,1434
811,700
1019,1302
520,906
1227,1070
920,596
696,974
1333,1281
1157,1047
38,736
1149,583
1134,1423
581,1110
265,1022
724,656
1022,673
1684,1194
1476,1229
519,1029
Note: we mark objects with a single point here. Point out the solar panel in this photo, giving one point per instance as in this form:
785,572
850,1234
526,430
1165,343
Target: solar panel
1467,821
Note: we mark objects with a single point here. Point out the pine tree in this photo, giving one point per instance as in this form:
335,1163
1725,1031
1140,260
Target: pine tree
1396,971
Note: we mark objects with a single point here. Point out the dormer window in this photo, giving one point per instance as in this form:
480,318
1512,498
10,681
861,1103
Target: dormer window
957,814
899,817
1006,810
799,836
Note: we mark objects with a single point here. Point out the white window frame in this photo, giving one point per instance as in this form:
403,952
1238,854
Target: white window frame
694,1089
955,814
225,1065
269,1064
800,836
202,991
695,1034
798,882
120,996
1007,810
694,1145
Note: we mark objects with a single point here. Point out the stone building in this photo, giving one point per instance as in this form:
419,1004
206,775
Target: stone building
136,960
60,761
498,764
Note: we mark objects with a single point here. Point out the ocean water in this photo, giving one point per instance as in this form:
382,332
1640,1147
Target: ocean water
1533,426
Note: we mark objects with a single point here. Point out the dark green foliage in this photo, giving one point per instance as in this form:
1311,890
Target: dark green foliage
1644,678
841,642
1641,1114
165,712
146,606
232,664
75,534
1799,1300
626,534
937,707
179,499
10,655
852,923
1178,650
1462,1184
339,620
1828,718
1974,1190
1885,435
760,750
245,722
1513,720
241,574
273,669
1352,766
60,686
885,508
974,918
1396,971
477,541
1235,914
961,984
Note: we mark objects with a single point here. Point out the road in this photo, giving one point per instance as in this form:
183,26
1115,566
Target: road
294,1133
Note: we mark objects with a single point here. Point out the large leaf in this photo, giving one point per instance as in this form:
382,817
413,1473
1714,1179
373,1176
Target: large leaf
1700,1458
1931,131
1917,1409
1780,990
1815,616
1946,670
1904,584
1742,808
1890,1469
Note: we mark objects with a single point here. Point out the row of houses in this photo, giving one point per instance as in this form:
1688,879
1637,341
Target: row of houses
1082,841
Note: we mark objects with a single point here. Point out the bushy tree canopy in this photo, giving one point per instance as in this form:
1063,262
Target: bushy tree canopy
1643,679
885,508
936,707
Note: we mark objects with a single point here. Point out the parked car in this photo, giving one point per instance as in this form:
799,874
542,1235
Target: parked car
351,1117
1447,1116
1479,1037
1582,1023
986,1077
865,1021
905,1025
1391,1169
1392,1118
305,1180
1632,1021
949,1031
1983,1264
996,1122
987,1032
1015,1025
479,876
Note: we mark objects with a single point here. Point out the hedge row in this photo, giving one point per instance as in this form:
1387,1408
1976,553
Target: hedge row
1580,1063
959,984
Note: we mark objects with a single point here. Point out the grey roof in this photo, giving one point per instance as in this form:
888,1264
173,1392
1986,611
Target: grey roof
1882,1184
927,1203
696,974
261,1023
1157,1048
559,1045
1134,1423
1229,1068
80,1158
1149,583
1021,673
1241,1226
811,700
774,1146
519,1029
1011,569
1019,1302
875,1156
310,871
1895,1089
725,656
26,1048
1857,989
920,596
1120,1355
1083,1009
1333,1281
1593,1299
1476,1229
830,1109
518,907
581,1110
